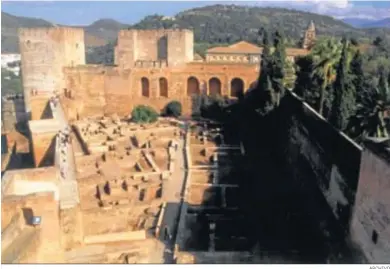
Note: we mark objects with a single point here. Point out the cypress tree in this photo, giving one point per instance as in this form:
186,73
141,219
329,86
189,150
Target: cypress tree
265,61
343,104
264,93
304,81
278,65
357,73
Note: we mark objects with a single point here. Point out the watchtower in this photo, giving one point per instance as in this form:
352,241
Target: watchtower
44,54
310,36
168,47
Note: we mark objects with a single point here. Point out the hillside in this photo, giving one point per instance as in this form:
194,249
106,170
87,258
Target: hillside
96,34
211,25
230,23
357,22
381,23
9,26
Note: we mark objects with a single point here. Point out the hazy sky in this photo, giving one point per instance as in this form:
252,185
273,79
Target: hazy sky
86,12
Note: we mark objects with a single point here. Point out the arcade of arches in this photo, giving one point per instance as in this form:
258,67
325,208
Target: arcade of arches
213,87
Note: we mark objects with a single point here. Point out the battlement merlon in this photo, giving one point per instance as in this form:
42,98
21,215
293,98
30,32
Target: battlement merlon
88,68
130,32
45,32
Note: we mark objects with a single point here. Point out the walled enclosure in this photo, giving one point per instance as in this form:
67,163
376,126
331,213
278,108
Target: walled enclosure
111,90
154,67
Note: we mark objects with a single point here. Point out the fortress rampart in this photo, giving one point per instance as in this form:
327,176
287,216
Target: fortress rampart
154,67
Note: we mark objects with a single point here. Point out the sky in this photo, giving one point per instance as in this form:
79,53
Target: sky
86,12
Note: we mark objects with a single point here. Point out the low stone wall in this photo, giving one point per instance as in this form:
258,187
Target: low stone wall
115,237
183,210
160,218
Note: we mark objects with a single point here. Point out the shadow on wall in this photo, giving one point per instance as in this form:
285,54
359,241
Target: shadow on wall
289,209
4,144
28,215
47,113
48,158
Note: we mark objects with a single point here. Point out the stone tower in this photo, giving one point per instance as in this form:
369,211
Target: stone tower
310,36
45,52
172,47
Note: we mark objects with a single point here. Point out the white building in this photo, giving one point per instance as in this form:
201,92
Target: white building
8,59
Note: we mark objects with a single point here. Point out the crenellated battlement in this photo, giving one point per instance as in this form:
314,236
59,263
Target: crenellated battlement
45,32
89,68
126,33
161,31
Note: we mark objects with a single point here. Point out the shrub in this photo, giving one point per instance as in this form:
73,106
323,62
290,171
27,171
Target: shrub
173,109
144,114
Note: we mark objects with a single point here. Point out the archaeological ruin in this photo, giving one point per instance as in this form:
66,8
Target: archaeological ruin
83,183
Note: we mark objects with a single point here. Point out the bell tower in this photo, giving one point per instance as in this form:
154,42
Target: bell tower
310,36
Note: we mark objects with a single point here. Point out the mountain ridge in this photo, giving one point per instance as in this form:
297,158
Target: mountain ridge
367,23
213,24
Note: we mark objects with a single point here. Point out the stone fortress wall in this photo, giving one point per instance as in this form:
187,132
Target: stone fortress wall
154,67
353,180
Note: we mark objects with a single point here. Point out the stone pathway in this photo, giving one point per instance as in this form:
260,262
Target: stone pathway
69,195
172,189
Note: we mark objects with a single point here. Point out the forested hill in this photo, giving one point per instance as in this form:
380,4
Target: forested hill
211,25
230,23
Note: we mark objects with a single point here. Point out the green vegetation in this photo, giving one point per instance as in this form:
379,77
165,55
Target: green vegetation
101,55
10,83
369,119
343,104
341,83
217,24
333,79
173,109
326,54
144,114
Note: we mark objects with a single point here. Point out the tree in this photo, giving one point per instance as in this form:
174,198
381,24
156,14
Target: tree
343,104
358,76
326,54
369,120
263,96
173,109
289,76
378,41
354,42
278,66
214,107
305,82
144,114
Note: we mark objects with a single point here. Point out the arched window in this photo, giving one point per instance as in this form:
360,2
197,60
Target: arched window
236,87
145,87
163,83
192,86
214,87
